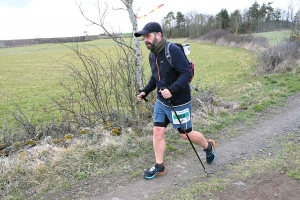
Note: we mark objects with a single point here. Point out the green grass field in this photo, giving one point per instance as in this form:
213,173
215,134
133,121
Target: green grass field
30,75
276,37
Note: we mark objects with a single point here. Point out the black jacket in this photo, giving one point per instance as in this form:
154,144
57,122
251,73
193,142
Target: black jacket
164,75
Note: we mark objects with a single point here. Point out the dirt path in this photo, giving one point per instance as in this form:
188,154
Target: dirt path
249,142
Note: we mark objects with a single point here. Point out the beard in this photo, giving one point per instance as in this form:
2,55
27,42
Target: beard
152,45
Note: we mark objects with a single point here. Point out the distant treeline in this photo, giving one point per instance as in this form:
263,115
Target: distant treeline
257,18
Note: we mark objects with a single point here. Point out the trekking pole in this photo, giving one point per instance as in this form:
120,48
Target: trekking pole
186,134
196,89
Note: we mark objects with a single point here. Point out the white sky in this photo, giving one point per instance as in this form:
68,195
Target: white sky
25,19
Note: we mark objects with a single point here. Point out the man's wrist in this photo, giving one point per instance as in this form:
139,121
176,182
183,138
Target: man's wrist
172,91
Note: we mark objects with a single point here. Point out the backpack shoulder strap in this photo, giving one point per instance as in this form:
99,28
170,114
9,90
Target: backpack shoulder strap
151,56
167,53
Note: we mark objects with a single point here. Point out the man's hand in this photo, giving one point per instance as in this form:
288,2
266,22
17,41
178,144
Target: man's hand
165,93
141,96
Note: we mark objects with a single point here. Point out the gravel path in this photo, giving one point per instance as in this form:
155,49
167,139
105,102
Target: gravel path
250,142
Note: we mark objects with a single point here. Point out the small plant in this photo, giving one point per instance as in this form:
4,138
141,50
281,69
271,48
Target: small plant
295,174
2,153
171,148
16,145
68,137
81,176
258,108
22,154
116,131
30,143
83,131
244,106
66,186
91,155
143,109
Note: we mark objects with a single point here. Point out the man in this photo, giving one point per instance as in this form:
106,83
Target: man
173,90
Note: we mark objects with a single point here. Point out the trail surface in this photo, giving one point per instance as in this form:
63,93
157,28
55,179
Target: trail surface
249,142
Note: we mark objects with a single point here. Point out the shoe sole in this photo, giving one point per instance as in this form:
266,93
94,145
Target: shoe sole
158,174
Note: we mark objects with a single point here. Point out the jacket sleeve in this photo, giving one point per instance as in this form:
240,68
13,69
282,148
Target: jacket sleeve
150,86
181,64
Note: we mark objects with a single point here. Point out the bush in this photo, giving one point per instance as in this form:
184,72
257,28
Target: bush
222,37
273,59
215,35
279,58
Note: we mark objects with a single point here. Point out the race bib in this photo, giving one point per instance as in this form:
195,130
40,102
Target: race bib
184,116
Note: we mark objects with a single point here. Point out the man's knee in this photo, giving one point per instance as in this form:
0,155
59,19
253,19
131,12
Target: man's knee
158,130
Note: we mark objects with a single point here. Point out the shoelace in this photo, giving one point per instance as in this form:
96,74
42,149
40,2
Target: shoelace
153,169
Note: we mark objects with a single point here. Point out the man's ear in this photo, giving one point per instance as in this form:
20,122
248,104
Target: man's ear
159,34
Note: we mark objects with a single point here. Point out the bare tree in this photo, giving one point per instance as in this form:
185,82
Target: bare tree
235,21
117,38
137,50
290,12
85,33
104,87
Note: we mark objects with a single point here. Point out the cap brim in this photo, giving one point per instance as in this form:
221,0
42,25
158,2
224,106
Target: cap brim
142,32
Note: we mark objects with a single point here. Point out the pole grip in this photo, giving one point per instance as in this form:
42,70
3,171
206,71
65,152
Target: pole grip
143,97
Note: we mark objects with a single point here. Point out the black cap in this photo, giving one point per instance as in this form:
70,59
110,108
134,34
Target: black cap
149,28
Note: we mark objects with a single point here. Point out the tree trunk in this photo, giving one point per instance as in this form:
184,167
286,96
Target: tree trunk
137,50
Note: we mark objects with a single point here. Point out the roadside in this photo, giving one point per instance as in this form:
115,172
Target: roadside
251,141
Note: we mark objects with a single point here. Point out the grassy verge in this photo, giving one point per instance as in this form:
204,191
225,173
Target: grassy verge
255,95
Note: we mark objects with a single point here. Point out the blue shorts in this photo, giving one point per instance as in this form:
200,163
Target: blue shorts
164,114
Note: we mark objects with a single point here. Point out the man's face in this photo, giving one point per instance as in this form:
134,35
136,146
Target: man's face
151,40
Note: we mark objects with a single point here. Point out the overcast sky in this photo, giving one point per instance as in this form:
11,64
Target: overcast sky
26,19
